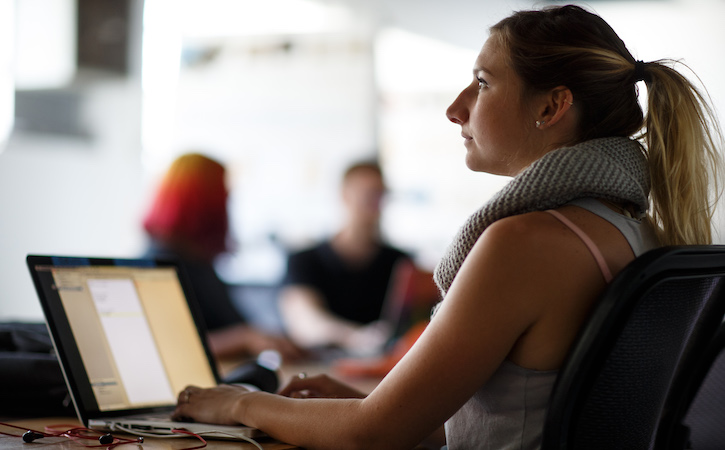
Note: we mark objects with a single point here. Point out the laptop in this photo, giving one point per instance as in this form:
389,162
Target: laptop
129,337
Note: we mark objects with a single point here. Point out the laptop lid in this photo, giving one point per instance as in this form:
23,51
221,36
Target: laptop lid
128,332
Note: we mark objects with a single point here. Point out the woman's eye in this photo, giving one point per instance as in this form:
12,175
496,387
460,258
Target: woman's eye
482,83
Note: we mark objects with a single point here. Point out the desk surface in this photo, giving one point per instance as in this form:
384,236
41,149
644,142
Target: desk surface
10,442
288,371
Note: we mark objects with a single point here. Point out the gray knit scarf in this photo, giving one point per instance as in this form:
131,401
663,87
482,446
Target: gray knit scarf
610,168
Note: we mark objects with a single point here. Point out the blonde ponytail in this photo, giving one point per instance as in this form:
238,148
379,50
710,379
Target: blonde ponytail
683,139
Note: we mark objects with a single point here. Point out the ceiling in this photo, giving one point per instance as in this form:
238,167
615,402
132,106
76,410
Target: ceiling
460,22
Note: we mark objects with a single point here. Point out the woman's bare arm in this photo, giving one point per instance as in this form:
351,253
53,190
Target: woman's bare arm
502,290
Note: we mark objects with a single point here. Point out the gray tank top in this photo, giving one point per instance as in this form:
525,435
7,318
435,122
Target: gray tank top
508,411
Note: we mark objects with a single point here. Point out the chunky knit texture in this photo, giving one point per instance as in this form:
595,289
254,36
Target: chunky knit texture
609,168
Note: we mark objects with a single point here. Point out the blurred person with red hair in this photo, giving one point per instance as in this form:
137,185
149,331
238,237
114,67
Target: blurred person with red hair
188,220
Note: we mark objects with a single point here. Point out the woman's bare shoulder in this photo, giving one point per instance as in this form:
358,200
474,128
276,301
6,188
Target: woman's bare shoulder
523,258
536,262
526,235
548,271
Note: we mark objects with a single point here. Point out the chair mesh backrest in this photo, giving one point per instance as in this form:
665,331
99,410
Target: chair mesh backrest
623,407
706,415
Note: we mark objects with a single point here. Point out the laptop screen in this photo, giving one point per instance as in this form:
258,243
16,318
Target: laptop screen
126,330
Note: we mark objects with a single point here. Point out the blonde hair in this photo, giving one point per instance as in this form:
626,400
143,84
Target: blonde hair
680,134
683,138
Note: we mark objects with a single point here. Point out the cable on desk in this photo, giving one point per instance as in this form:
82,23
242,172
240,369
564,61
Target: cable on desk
181,431
74,433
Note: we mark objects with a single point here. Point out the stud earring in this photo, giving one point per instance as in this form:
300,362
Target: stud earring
539,123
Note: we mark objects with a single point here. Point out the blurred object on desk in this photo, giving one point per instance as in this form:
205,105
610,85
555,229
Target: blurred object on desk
263,372
410,299
380,366
31,381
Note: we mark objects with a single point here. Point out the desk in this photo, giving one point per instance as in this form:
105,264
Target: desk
288,371
9,442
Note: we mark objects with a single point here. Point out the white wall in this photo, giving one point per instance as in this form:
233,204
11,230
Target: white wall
67,196
71,195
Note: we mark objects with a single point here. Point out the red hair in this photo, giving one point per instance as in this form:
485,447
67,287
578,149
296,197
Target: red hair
189,212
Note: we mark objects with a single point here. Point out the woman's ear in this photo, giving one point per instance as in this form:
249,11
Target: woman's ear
556,103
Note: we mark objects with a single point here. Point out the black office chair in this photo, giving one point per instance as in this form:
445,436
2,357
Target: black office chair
700,413
641,340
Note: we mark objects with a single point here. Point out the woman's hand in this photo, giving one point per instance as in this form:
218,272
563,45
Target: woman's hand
216,405
319,386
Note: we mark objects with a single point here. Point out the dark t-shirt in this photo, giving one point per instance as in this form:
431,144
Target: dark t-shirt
353,293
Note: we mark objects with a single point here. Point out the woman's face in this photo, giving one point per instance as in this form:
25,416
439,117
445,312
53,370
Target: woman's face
496,128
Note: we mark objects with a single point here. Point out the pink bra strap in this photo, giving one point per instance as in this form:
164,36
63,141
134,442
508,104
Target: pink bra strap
588,242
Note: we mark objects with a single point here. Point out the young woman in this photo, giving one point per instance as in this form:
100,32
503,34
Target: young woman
553,103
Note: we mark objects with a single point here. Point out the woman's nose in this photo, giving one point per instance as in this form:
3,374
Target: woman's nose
452,117
456,113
